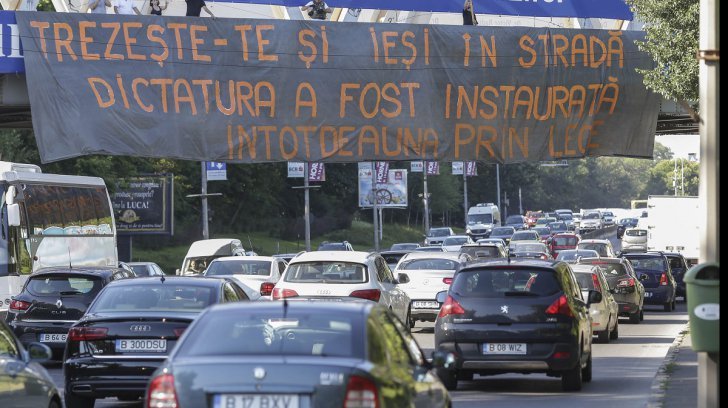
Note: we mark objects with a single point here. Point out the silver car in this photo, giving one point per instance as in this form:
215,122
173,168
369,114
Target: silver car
257,274
24,383
604,314
634,240
298,354
341,274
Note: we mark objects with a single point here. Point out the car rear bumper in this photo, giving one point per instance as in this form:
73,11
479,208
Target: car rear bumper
627,308
31,333
658,296
101,378
540,358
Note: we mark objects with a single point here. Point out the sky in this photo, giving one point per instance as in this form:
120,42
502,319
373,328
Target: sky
681,145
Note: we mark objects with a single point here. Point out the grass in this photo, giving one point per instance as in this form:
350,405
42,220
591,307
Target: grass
360,235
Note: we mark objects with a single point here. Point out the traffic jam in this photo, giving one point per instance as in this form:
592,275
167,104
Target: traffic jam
349,323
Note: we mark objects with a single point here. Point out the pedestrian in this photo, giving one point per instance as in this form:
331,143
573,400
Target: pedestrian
125,7
195,6
317,9
98,6
469,17
156,8
26,5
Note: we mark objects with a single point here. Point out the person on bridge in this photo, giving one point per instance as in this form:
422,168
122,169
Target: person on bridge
26,5
317,9
194,7
98,6
156,8
469,17
125,7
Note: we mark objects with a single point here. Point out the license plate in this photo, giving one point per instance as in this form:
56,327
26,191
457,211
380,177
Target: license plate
648,294
429,304
256,401
141,345
53,338
504,348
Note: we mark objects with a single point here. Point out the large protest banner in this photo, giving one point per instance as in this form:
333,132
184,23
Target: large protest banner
243,90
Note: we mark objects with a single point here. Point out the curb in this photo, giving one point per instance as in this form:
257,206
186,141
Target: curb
657,390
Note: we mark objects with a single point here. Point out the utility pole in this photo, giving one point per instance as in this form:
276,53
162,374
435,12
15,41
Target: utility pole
426,198
203,195
306,204
375,207
465,193
497,183
520,203
709,192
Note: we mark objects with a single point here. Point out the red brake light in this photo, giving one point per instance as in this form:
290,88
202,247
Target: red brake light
178,331
369,294
161,393
19,306
447,281
597,284
663,279
451,307
560,306
279,293
626,282
361,392
87,333
266,288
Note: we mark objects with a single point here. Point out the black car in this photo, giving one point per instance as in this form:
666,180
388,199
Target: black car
504,233
53,299
678,266
129,330
518,222
298,354
516,317
653,270
626,287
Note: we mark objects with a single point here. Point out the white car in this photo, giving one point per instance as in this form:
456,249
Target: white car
634,240
341,274
428,274
454,242
604,315
591,221
257,274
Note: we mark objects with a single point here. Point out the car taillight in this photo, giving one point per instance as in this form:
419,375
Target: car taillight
451,307
87,333
597,284
266,288
361,392
663,279
560,306
280,293
369,294
161,392
625,283
544,256
178,331
19,306
447,281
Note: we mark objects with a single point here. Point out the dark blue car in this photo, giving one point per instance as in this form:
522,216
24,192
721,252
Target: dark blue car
654,271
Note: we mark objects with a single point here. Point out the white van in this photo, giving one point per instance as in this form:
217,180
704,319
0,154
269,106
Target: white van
202,252
481,220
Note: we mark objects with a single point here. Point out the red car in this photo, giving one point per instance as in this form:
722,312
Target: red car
532,216
562,241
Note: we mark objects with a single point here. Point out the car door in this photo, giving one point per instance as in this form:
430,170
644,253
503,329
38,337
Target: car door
397,299
21,385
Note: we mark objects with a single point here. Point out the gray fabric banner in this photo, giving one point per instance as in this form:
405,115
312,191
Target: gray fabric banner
251,90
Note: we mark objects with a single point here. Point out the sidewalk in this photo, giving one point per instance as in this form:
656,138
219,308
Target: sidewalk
676,382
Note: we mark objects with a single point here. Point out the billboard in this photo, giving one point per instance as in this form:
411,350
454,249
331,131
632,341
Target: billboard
392,194
144,205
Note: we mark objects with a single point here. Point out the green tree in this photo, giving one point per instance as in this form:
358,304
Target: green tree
672,28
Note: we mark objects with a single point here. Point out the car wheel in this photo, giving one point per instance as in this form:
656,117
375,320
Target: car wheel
571,379
55,403
75,401
466,376
667,307
603,336
674,303
642,314
636,317
410,321
614,335
586,372
449,378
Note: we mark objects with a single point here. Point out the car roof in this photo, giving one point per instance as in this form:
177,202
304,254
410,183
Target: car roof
335,256
216,246
604,260
584,268
455,256
457,236
244,258
313,306
595,241
483,244
86,270
510,263
203,281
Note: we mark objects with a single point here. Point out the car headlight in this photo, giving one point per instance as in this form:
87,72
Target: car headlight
468,231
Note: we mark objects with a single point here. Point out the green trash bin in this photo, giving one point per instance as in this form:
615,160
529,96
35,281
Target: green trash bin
702,285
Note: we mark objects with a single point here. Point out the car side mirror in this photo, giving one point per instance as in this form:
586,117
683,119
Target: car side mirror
39,352
442,359
594,297
441,297
13,215
403,278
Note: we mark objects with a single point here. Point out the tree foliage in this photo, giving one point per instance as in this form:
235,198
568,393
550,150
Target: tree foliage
672,33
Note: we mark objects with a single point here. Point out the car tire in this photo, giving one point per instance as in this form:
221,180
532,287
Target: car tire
75,401
586,372
642,314
603,336
410,321
571,379
614,335
449,378
465,376
55,403
667,307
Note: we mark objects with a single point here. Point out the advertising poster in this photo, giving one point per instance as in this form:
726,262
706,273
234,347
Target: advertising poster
143,205
392,194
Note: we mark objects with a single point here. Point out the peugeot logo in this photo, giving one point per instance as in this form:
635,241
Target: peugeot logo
259,373
59,303
504,309
140,328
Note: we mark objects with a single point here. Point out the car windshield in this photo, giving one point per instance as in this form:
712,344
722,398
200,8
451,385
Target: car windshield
326,272
542,230
454,241
429,264
566,216
238,267
481,251
530,247
493,283
480,218
55,285
403,247
268,334
165,296
524,235
557,226
564,241
514,219
652,264
591,216
439,232
502,231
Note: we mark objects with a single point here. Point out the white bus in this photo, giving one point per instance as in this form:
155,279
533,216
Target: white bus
51,220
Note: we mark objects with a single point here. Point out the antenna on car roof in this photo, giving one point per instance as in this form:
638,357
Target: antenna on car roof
70,263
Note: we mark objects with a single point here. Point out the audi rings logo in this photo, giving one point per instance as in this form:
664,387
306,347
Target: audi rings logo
140,328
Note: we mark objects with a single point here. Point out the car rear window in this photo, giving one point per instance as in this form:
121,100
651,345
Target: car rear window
55,285
238,267
481,252
636,233
163,297
585,280
502,231
326,272
610,269
654,264
429,264
564,241
493,283
392,258
298,334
